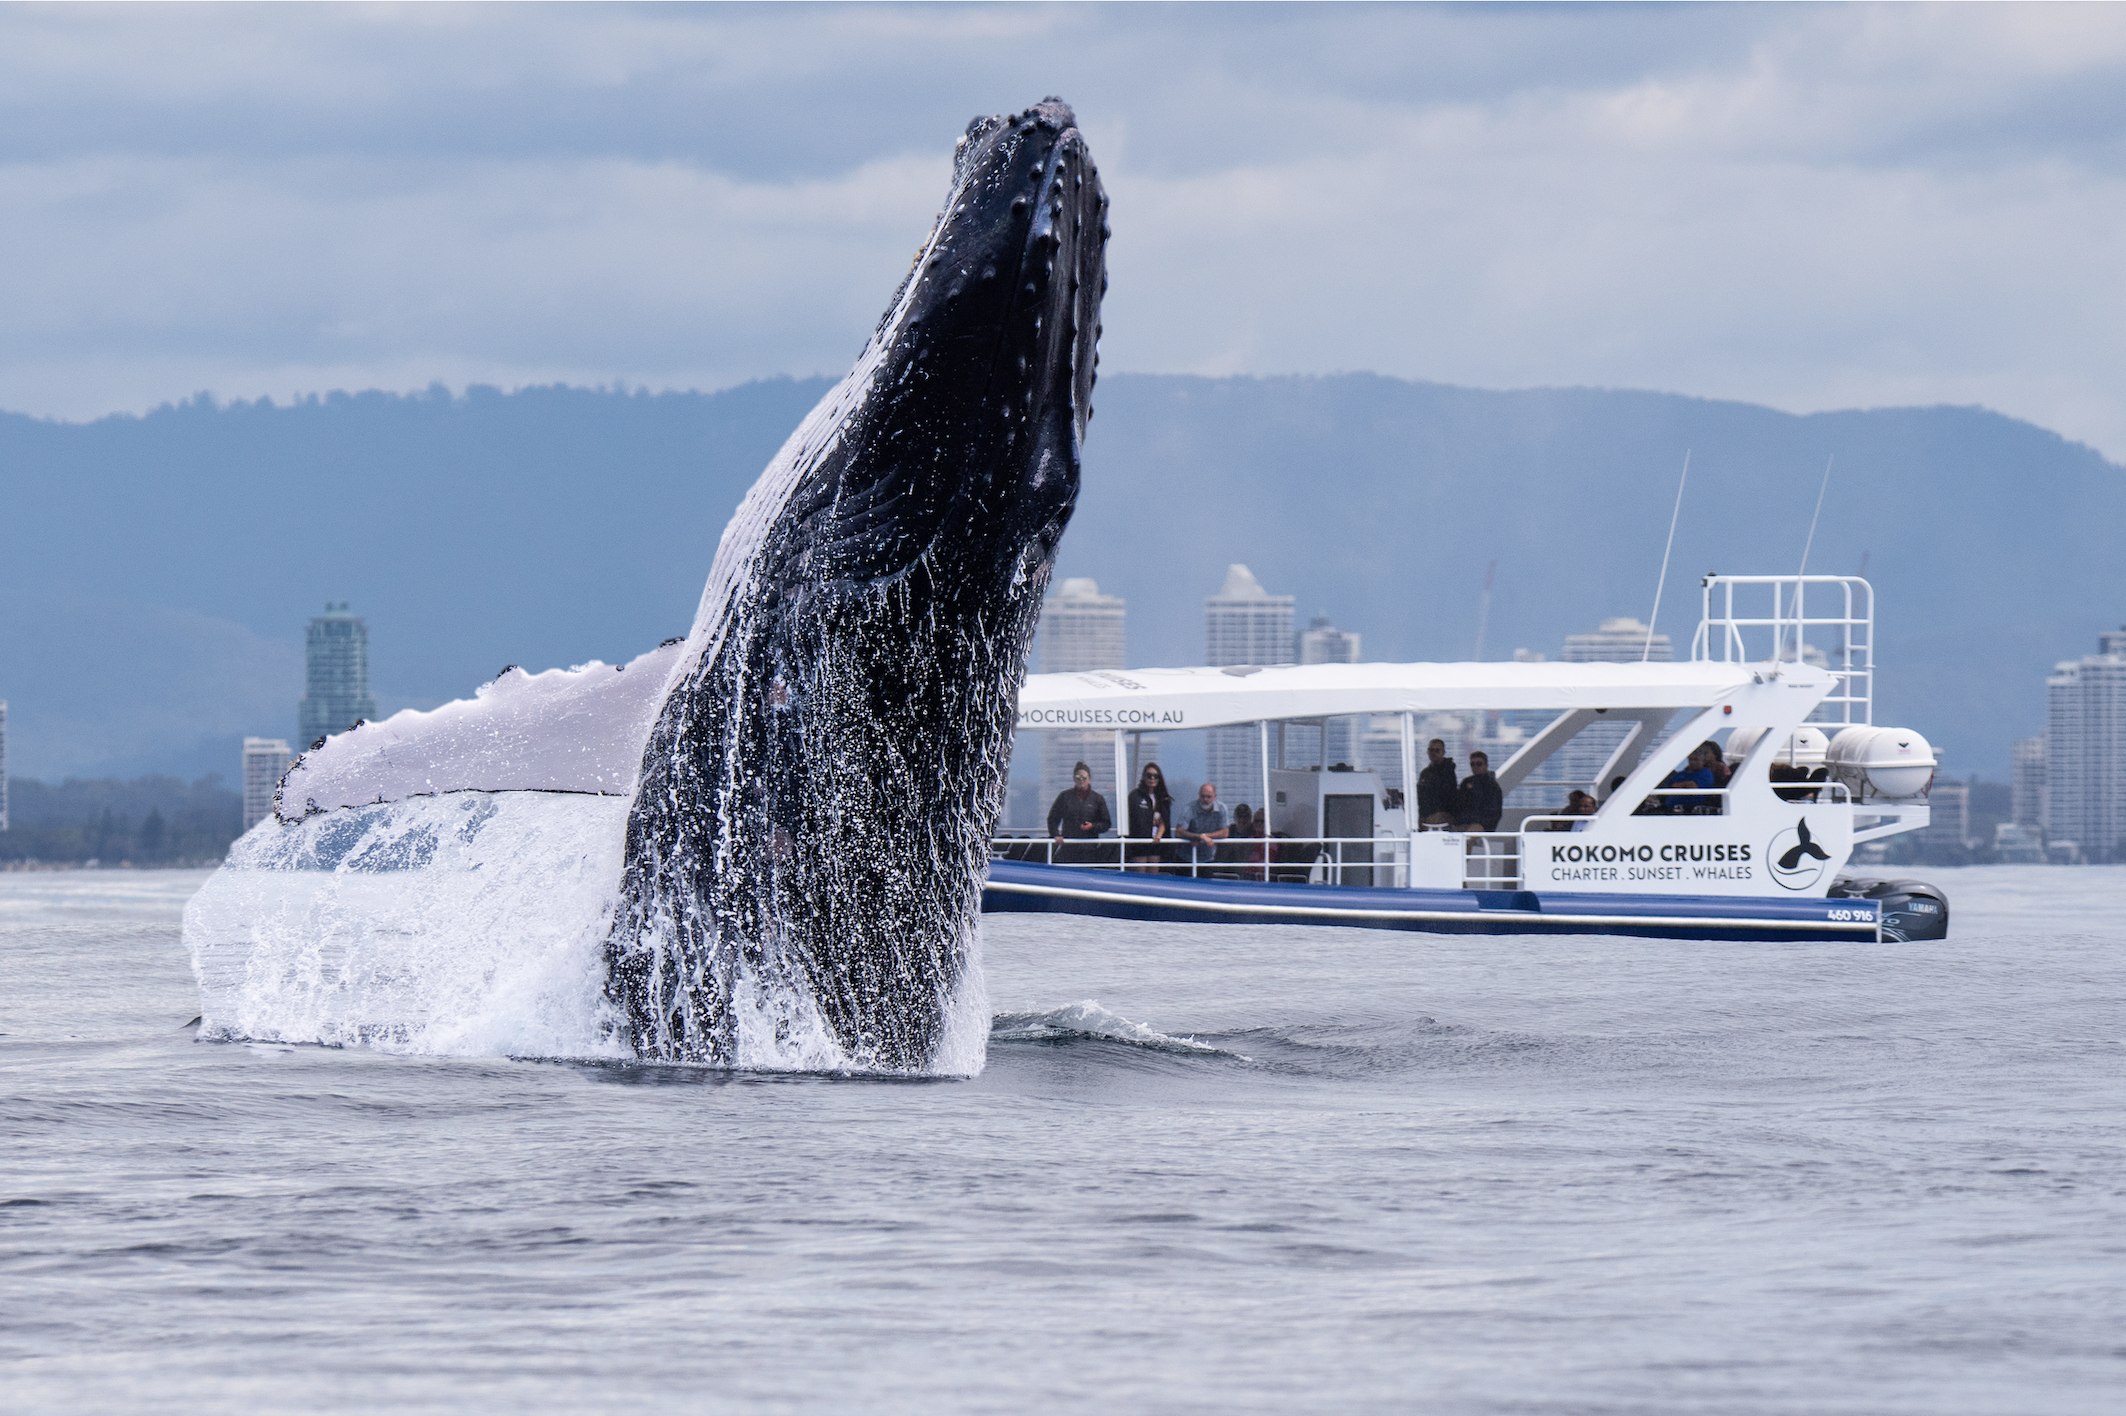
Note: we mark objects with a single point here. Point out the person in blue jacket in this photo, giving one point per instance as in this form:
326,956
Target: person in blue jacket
1696,771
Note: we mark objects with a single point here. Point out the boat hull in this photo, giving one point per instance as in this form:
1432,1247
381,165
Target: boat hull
1016,887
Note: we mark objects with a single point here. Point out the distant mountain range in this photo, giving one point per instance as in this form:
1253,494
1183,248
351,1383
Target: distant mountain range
160,568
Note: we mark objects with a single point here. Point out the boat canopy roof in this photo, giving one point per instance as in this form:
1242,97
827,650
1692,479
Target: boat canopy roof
1145,699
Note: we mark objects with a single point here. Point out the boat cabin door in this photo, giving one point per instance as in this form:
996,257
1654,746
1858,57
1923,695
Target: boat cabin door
1345,815
1293,795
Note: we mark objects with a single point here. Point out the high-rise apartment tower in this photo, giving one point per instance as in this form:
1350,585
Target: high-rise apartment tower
336,678
1618,641
1242,624
2085,751
2026,781
265,763
1082,631
1323,643
1579,762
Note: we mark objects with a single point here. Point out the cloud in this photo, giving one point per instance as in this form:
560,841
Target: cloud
1810,207
158,275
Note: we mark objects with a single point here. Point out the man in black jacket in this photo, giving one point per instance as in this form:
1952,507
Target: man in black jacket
1479,804
1079,815
1437,793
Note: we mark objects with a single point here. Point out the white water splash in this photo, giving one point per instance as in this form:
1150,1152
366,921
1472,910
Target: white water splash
469,924
463,925
1088,1020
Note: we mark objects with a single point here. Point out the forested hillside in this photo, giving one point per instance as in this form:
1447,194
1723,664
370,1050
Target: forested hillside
160,568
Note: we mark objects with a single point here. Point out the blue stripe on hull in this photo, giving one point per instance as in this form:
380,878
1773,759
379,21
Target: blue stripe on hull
1017,887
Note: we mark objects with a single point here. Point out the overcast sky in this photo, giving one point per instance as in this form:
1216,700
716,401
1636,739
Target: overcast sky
1808,207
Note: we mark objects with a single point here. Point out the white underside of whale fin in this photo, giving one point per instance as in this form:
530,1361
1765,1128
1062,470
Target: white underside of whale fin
565,730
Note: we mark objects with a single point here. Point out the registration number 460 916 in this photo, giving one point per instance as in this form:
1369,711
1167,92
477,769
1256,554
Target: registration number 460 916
1848,914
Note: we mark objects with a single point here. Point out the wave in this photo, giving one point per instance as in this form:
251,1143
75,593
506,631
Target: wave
1087,1021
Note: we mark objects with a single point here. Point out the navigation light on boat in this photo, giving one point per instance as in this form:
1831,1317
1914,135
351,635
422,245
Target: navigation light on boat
1891,764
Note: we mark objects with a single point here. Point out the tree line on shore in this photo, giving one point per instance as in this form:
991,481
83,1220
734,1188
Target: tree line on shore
148,821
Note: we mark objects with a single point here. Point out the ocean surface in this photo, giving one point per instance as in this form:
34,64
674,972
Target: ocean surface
1206,1169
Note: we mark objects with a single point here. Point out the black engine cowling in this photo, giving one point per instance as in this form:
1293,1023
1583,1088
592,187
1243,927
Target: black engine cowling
1912,910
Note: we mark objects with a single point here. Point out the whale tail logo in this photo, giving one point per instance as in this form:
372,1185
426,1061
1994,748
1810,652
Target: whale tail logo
1806,846
1796,857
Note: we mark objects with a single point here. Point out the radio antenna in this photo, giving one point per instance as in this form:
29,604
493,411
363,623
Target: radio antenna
1662,583
1811,541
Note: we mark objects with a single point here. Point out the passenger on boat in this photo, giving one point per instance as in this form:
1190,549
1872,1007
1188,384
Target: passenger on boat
1151,811
1233,849
1716,758
1581,804
1695,772
1478,803
1246,846
1204,825
1437,790
1079,816
1786,772
1261,853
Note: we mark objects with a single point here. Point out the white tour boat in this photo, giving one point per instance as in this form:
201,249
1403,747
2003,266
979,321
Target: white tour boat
1787,694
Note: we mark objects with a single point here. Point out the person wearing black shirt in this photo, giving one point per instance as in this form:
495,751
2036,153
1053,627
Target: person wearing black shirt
1079,815
1479,803
1151,812
1437,792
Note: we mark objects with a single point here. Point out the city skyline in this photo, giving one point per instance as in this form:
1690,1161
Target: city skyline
1616,637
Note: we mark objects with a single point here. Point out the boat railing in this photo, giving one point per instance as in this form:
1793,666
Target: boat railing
1492,860
1772,621
1292,860
1684,801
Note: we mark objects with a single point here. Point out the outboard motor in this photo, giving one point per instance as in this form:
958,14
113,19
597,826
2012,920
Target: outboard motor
1912,910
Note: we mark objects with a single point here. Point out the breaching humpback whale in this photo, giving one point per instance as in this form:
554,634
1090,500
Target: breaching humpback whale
809,779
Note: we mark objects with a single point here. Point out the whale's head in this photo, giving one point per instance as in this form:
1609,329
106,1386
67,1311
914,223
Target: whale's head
959,443
809,835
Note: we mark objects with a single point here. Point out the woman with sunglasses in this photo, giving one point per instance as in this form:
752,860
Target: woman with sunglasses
1151,810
